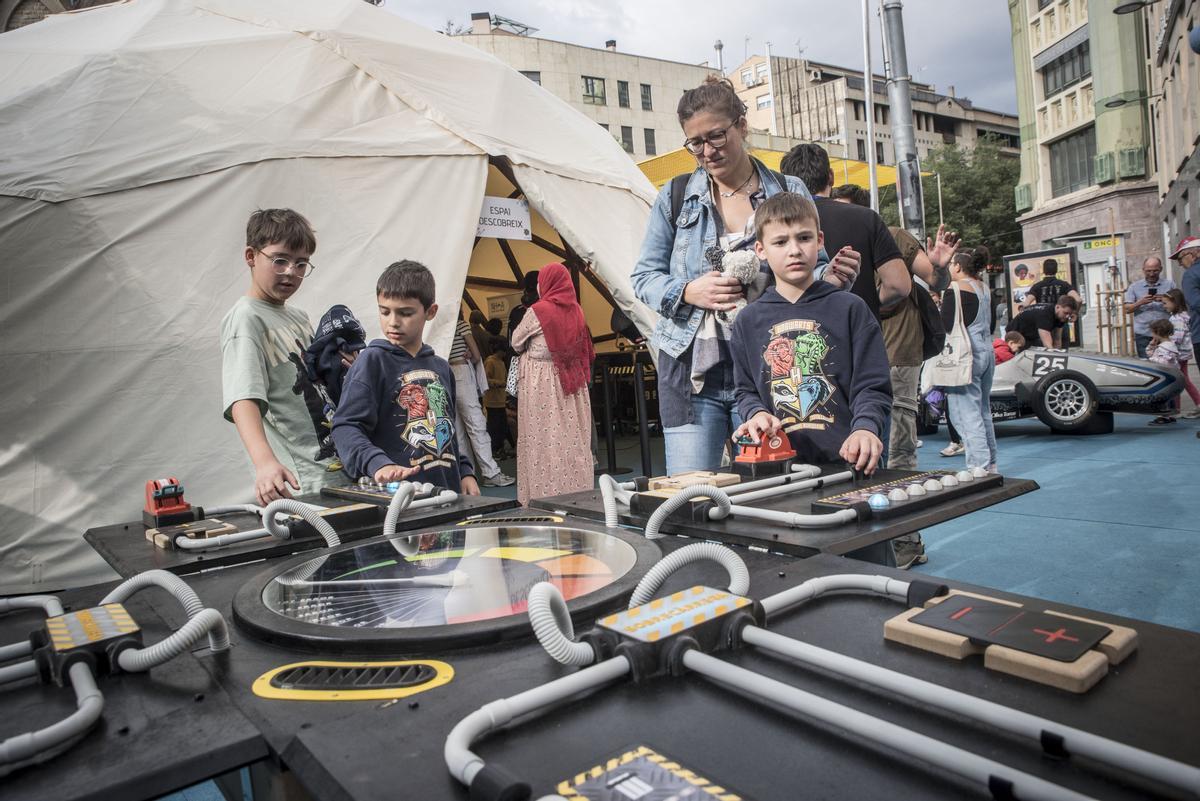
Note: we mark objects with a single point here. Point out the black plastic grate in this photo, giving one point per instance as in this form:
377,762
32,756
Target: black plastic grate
489,521
375,677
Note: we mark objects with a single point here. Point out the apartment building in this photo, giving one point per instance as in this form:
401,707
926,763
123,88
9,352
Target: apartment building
1088,160
819,102
1175,116
632,97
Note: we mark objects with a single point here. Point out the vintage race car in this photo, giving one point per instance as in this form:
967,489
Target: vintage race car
1076,392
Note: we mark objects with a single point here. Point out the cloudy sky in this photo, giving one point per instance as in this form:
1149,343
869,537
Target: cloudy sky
964,43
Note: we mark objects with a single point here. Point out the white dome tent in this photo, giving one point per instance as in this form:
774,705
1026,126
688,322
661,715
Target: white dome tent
138,138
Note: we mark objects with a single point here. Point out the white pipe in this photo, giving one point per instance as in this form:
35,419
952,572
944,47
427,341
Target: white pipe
816,587
551,621
21,670
17,649
894,739
273,525
610,492
206,621
1074,741
189,544
89,704
799,473
218,638
47,603
785,489
793,519
464,765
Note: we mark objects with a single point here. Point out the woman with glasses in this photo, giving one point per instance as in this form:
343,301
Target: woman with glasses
678,272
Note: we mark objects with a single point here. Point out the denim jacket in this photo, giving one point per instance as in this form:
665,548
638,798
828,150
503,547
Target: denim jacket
671,258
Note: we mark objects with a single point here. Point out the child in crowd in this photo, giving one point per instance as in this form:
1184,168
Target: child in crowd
1162,350
495,399
267,392
808,360
1176,306
396,417
1012,344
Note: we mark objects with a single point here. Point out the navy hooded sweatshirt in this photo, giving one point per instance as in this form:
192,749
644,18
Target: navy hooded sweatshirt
399,409
818,364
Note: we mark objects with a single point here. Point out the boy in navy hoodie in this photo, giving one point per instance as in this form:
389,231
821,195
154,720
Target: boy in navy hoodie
396,415
808,359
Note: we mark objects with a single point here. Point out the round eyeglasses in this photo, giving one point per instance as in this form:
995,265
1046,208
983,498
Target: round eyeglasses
281,264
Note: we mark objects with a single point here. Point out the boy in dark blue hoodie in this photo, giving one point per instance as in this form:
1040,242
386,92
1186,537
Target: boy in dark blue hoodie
396,415
808,358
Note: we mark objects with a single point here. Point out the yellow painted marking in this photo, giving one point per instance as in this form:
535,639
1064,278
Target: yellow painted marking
518,554
653,636
678,596
740,602
262,687
637,610
656,604
722,609
698,619
91,628
596,771
671,766
677,627
610,620
564,788
612,764
580,778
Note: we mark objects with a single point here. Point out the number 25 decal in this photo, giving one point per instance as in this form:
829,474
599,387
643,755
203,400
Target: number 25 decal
1044,365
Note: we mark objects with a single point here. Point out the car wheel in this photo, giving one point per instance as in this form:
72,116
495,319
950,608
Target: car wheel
1065,401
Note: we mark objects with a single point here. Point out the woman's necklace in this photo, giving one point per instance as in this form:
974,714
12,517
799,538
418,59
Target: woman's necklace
745,183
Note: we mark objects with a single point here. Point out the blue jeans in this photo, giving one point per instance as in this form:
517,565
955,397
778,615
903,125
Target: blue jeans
970,406
699,445
1141,342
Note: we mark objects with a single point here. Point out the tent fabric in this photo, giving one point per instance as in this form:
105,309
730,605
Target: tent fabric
139,138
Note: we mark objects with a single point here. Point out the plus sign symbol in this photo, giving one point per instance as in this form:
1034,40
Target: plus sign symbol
1055,636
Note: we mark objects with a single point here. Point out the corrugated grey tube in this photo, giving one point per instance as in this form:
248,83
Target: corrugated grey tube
218,638
739,576
551,623
89,704
206,621
287,505
679,499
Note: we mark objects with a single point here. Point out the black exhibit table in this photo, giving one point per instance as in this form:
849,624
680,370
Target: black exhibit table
126,549
847,539
159,732
393,749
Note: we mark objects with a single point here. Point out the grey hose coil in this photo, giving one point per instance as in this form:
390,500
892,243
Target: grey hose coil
89,704
739,576
552,625
287,505
612,491
400,500
715,494
206,621
218,638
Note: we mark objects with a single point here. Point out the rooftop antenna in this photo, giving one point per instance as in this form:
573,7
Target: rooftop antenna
512,26
800,49
718,46
746,49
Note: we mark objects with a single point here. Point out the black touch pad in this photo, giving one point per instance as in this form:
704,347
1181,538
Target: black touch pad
991,623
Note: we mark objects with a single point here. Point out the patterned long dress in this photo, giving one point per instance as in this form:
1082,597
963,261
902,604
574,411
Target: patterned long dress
554,442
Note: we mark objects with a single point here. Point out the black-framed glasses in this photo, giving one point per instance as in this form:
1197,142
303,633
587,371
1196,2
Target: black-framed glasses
717,138
302,267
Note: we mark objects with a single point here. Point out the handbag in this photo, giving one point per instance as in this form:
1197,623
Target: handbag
510,386
952,367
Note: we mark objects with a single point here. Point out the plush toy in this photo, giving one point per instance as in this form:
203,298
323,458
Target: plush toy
745,267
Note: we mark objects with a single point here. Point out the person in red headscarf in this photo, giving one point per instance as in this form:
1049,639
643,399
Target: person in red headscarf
554,412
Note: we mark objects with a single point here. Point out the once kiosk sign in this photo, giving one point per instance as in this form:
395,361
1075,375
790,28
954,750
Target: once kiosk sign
504,218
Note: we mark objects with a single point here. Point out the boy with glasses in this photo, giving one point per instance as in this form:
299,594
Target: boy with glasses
262,371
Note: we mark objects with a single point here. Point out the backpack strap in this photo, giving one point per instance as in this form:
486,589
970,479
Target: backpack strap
679,189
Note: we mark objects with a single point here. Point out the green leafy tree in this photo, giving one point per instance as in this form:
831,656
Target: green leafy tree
977,196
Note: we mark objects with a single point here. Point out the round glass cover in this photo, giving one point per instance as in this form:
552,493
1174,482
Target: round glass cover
450,577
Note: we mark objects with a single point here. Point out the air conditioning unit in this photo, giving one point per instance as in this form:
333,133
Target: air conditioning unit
1102,165
1024,197
1131,162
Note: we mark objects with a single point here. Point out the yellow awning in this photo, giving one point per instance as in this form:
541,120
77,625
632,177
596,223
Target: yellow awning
660,169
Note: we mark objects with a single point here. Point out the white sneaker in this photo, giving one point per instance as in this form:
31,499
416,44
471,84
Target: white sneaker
920,443
953,449
1191,414
498,480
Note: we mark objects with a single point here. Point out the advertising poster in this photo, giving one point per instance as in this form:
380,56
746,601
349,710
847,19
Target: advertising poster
1024,270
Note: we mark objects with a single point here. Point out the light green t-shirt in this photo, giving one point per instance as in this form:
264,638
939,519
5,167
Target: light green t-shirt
261,346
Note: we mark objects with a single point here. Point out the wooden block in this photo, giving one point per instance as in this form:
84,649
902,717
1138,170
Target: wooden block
1076,677
162,541
902,630
1116,646
681,480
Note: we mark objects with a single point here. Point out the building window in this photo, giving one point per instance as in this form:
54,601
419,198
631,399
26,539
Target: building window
1071,163
532,75
593,91
879,153
762,101
651,149
623,94
604,125
747,78
647,99
856,111
627,138
760,71
1067,70
862,150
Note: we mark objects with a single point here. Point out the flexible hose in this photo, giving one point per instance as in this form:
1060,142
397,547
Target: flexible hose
794,519
789,487
401,498
739,576
464,765
218,639
715,494
287,505
47,603
612,491
189,544
17,649
552,625
21,670
206,621
89,704
233,508
816,587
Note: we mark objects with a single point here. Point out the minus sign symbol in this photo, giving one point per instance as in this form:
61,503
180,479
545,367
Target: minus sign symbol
961,612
